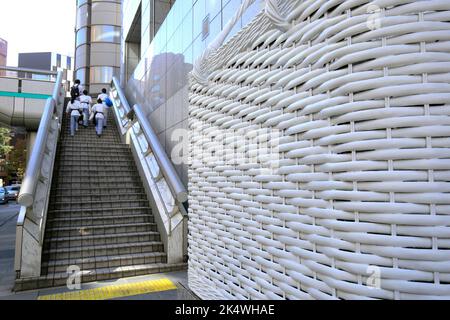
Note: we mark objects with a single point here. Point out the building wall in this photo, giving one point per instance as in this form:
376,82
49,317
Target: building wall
160,81
98,34
36,60
50,61
320,155
3,55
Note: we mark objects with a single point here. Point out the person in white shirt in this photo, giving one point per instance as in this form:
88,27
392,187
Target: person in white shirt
102,96
73,108
98,113
86,102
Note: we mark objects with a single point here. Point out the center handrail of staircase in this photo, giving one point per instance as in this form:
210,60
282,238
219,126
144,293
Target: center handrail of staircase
176,186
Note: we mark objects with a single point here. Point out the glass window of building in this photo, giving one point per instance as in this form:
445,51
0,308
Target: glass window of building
58,60
105,34
82,17
81,75
102,74
81,37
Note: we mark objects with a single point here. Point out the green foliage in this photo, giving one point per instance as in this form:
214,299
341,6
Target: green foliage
16,161
5,138
12,158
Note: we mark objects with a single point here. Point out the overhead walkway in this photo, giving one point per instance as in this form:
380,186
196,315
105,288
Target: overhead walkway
23,93
94,208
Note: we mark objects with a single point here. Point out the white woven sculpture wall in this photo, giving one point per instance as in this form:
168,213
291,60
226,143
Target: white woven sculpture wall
359,206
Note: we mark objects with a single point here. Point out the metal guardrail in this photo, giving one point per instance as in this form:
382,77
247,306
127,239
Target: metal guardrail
167,194
167,168
38,172
27,70
27,191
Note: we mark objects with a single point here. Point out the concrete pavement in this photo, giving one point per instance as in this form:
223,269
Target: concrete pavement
8,219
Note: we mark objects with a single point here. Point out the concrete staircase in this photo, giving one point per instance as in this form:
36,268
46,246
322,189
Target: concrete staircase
99,217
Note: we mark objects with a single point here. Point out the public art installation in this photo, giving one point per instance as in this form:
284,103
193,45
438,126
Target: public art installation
320,154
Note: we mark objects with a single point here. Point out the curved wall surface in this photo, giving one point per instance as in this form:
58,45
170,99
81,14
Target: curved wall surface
98,33
320,148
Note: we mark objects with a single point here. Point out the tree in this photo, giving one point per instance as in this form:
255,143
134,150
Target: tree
5,138
16,161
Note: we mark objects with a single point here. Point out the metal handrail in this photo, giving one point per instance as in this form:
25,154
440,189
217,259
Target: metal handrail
27,70
168,170
121,95
31,178
173,180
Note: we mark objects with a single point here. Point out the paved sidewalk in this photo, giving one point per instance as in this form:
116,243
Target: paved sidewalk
8,220
179,279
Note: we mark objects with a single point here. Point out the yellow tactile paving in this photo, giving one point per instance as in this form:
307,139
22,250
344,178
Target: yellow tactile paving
115,291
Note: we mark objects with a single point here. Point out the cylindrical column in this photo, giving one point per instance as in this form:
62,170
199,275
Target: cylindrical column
97,52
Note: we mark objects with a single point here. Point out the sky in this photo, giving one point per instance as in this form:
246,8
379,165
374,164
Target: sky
37,26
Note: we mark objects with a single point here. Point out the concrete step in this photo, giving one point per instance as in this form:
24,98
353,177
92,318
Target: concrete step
93,145
93,169
98,250
83,174
98,240
80,191
99,178
105,229
92,137
94,157
98,212
99,204
94,166
60,192
114,161
97,197
100,185
99,221
60,279
112,130
82,152
84,134
88,140
55,266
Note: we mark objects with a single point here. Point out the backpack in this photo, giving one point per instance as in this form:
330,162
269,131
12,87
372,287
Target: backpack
74,92
108,102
